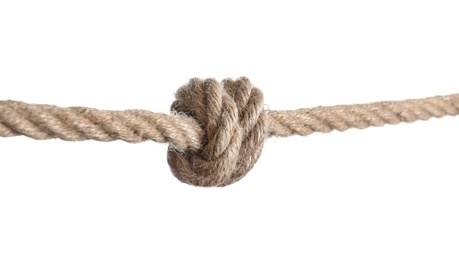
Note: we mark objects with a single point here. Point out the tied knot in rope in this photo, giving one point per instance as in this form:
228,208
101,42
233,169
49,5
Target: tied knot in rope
232,117
215,130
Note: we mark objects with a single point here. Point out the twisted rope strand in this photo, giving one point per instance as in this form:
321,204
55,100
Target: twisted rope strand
216,130
80,123
41,122
306,121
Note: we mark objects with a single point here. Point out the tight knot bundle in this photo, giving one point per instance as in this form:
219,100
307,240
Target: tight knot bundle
232,116
216,130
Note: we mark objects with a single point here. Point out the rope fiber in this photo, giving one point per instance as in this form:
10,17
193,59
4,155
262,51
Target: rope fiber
216,131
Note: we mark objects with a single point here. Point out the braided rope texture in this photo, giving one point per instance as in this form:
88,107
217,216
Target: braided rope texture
216,131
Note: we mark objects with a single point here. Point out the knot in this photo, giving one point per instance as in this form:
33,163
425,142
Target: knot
234,122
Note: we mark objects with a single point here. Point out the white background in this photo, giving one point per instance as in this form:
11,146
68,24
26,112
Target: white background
379,193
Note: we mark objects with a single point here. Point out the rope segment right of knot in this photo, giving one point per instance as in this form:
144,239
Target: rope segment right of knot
232,117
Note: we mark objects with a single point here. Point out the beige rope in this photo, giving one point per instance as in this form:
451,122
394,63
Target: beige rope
216,131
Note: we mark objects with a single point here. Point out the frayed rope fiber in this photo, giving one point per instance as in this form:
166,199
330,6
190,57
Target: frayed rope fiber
216,130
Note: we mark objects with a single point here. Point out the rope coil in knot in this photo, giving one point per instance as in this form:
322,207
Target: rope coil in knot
232,117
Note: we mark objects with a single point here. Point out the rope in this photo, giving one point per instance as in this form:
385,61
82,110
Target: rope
216,131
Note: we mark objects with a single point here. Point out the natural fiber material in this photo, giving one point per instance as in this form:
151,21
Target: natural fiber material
216,131
234,125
